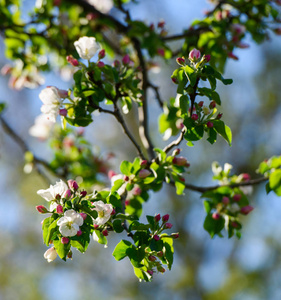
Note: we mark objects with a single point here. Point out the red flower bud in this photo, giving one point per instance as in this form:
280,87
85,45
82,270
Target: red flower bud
237,197
201,103
156,237
152,258
113,212
210,124
67,194
180,161
174,79
126,60
127,202
144,173
234,224
216,216
246,177
165,218
176,152
157,218
65,240
100,64
144,163
175,235
168,225
116,63
105,232
101,54
212,104
194,55
63,112
225,200
42,209
231,55
219,116
96,226
59,209
79,232
73,61
72,184
181,61
160,253
161,52
126,178
150,272
83,193
137,191
246,209
161,24
194,117
207,57
83,215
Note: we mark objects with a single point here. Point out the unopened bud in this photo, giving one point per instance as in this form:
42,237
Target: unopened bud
181,61
174,79
160,253
161,24
65,240
110,174
246,209
175,235
212,104
83,193
101,54
96,226
152,258
210,124
176,152
144,163
73,61
206,110
225,200
63,93
116,63
42,209
161,270
79,232
219,116
168,225
180,161
165,218
237,197
216,216
194,117
63,112
231,55
113,212
194,55
100,64
126,60
161,52
83,215
156,237
234,224
144,173
72,184
67,194
150,272
137,191
105,232
201,103
207,57
69,255
157,218
59,209
246,177
126,178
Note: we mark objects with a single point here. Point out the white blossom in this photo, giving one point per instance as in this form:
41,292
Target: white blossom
104,212
86,47
50,254
216,168
50,194
51,102
41,128
234,208
227,167
103,6
69,224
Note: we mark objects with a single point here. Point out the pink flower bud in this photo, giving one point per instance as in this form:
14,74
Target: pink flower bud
126,178
126,60
96,226
42,209
110,174
152,258
65,240
151,27
180,161
6,69
144,163
58,196
246,209
83,193
100,64
175,235
243,46
246,177
161,24
225,200
59,209
116,63
105,232
113,212
210,124
207,57
165,218
79,232
231,55
161,270
72,184
161,52
83,215
101,54
182,178
67,194
144,173
63,112
174,79
127,202
194,117
176,152
156,237
69,255
160,253
180,61
234,224
216,216
63,93
137,191
150,272
219,116
194,55
157,218
212,104
237,197
201,103
73,61
168,225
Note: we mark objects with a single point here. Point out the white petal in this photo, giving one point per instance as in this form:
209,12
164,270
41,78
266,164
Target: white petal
45,194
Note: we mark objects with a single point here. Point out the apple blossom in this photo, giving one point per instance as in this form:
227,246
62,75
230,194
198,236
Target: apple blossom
51,193
104,212
144,173
42,127
69,223
103,6
51,102
194,55
86,47
50,254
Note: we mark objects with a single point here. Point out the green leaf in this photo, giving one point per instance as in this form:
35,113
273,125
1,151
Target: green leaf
117,226
168,251
223,130
275,181
62,249
212,136
101,239
125,167
213,226
121,249
49,227
136,255
191,75
2,106
207,206
117,184
180,187
142,275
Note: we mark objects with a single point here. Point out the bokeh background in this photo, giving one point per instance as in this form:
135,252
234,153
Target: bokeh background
204,268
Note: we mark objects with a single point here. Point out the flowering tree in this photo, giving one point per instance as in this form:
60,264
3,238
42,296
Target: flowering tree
110,59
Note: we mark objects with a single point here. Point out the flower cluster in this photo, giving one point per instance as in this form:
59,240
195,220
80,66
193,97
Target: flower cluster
74,217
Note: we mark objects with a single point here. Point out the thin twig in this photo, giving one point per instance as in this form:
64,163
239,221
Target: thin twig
175,142
232,185
157,94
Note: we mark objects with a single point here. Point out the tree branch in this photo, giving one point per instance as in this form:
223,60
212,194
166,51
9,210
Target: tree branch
232,185
157,94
